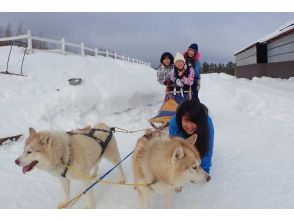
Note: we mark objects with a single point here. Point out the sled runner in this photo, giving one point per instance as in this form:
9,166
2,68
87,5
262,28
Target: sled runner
11,138
169,107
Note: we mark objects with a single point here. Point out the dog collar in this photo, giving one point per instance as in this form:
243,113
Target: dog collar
149,185
147,136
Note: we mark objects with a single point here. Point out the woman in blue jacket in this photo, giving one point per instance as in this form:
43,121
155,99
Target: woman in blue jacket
192,57
192,118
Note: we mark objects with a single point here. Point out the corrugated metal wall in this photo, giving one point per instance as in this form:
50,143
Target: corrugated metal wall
247,57
281,49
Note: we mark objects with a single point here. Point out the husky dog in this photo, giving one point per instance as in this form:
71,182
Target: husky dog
81,149
164,164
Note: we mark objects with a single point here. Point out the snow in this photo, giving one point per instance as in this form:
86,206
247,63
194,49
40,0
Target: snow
253,120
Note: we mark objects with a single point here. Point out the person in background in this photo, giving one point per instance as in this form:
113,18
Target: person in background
183,77
192,57
192,118
167,64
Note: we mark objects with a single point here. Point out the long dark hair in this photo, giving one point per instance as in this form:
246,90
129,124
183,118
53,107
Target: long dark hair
198,113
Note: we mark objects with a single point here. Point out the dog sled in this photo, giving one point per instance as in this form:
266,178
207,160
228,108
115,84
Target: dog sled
169,107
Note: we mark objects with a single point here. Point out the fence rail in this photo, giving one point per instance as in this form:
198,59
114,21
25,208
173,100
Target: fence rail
62,45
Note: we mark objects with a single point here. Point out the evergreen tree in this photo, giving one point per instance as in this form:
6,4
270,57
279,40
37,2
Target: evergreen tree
230,68
205,68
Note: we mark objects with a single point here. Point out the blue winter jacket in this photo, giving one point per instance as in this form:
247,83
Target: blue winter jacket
197,69
174,130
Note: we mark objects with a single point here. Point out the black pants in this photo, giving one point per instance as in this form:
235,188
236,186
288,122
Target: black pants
195,93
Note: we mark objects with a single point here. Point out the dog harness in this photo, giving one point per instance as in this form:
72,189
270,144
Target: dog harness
103,144
63,174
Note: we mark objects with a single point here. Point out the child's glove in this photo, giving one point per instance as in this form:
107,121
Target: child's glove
179,83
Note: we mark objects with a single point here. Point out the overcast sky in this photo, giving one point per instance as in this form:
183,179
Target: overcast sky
147,35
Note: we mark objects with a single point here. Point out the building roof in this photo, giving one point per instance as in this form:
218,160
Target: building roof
286,28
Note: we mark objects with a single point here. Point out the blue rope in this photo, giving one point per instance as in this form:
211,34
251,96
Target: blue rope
104,175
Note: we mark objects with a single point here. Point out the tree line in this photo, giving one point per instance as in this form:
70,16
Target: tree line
9,31
228,68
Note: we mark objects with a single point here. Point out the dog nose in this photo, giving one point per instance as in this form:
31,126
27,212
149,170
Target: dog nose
17,162
208,178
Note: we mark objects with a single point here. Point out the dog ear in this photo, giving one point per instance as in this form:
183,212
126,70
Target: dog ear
86,129
148,131
178,154
46,139
32,131
192,139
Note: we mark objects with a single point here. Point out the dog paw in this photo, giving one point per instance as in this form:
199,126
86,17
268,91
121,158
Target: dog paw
90,206
178,189
62,205
121,181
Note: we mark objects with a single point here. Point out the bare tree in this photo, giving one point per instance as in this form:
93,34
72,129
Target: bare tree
1,31
40,44
8,31
20,30
43,45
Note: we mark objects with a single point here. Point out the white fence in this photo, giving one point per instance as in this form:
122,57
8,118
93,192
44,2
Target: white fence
62,45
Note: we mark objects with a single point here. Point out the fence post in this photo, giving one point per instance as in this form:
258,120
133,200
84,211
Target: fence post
82,49
123,57
115,56
128,59
106,53
96,52
63,46
30,43
133,60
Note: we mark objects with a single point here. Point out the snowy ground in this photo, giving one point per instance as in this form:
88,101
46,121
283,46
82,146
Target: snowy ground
254,122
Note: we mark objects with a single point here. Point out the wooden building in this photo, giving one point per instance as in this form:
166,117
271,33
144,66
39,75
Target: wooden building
271,56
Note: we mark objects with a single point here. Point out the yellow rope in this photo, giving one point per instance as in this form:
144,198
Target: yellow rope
77,173
124,184
71,202
128,131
